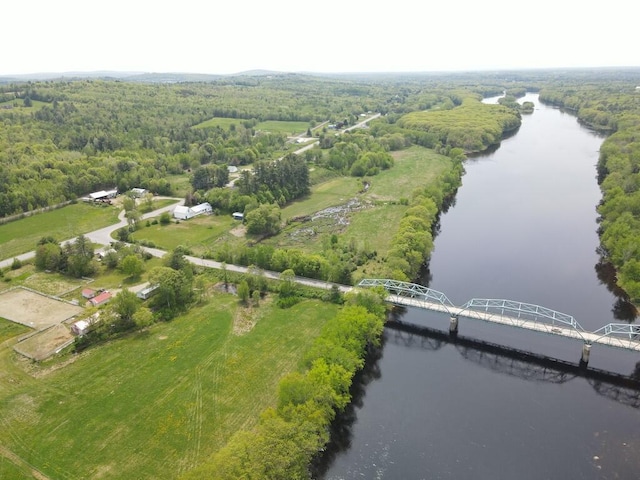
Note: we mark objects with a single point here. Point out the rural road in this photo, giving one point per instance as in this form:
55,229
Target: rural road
103,237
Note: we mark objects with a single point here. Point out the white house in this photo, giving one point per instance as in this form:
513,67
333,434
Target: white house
184,213
138,192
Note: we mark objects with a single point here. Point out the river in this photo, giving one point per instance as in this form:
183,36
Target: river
524,228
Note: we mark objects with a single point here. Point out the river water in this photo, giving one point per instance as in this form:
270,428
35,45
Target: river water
428,406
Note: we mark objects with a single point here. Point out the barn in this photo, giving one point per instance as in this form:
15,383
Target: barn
184,213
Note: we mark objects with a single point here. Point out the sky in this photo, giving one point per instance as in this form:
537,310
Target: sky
324,36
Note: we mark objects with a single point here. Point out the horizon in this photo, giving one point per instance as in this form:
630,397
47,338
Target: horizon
333,37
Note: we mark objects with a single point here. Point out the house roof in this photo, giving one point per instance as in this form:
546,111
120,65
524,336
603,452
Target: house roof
88,293
203,207
181,209
101,298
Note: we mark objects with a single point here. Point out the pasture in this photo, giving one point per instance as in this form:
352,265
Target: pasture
155,403
21,236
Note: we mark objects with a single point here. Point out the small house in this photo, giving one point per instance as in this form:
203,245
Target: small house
100,299
89,293
138,192
237,216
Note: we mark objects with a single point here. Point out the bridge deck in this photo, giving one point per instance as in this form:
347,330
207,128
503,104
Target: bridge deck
521,322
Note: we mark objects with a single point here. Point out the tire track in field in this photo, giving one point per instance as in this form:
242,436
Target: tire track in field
209,369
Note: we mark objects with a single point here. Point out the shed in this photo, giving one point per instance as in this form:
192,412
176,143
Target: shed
100,299
88,293
237,216
138,192
80,327
147,292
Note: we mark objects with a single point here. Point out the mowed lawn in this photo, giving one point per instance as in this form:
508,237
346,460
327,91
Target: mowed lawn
21,236
157,403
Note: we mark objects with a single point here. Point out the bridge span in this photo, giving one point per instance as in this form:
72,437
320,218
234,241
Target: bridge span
510,313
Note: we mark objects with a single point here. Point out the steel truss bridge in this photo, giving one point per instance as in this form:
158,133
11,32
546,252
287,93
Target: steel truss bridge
510,313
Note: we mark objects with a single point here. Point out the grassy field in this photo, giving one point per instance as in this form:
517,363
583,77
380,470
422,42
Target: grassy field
274,126
288,128
156,403
10,329
22,235
197,233
414,168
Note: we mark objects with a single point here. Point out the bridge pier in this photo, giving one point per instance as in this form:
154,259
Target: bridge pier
453,325
586,350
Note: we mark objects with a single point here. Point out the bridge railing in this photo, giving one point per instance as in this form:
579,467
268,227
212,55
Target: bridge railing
624,333
530,310
411,290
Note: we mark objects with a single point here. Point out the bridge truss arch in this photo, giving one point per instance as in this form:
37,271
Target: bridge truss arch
525,312
418,293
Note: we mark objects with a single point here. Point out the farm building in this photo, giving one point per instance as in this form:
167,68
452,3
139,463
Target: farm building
100,299
88,293
103,195
138,192
184,213
147,292
80,327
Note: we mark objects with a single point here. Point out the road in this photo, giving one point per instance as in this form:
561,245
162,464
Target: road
103,237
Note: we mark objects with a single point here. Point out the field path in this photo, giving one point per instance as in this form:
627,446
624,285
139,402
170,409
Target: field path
23,464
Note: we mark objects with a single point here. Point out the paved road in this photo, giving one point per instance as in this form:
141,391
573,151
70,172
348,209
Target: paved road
103,237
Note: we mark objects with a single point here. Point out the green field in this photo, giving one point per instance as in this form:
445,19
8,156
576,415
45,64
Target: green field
288,128
156,403
198,233
414,168
22,235
273,126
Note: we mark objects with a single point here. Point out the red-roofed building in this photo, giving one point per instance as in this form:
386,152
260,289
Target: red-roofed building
88,293
100,299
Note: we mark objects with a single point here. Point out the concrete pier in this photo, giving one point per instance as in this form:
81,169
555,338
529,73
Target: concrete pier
453,325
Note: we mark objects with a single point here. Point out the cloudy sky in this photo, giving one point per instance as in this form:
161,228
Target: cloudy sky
229,36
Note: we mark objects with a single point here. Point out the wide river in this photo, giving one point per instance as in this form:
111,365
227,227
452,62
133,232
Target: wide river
524,228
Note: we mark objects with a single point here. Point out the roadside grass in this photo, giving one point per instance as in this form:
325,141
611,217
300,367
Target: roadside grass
158,402
21,236
158,203
197,234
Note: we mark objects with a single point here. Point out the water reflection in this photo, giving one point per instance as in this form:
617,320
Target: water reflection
624,389
341,429
622,309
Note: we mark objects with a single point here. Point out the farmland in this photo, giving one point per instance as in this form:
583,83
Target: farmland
157,402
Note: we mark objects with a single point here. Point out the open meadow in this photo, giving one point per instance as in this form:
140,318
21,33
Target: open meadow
22,235
155,403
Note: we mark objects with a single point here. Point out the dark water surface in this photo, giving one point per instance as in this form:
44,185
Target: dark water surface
523,228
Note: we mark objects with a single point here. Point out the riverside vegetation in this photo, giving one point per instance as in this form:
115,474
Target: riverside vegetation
71,137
